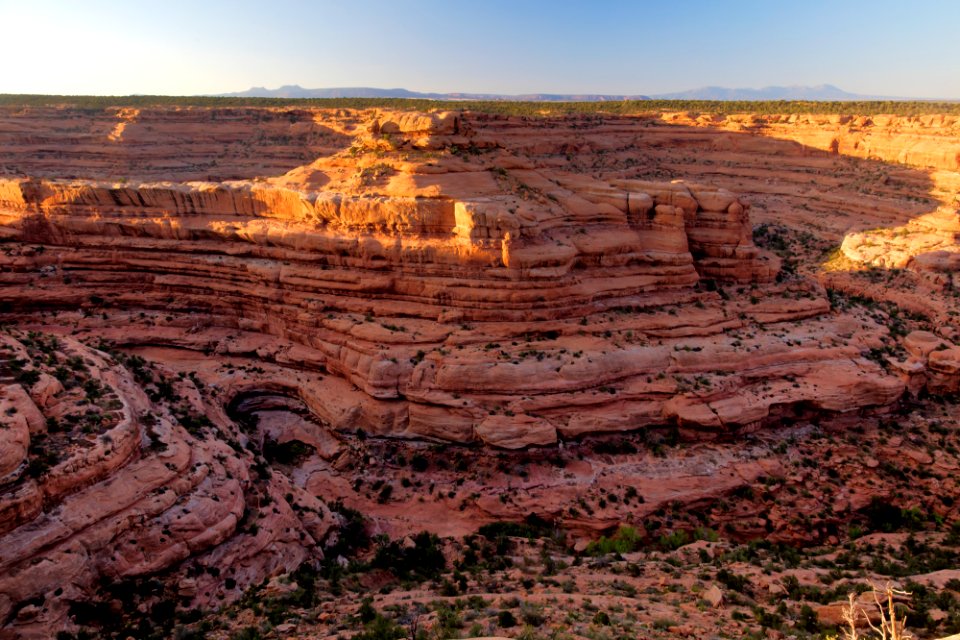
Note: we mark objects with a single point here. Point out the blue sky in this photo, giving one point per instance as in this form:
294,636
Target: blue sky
181,47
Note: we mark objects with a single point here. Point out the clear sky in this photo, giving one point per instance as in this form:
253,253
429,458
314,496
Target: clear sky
186,47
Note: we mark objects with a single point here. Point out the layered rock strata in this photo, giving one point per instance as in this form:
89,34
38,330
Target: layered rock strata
302,274
467,294
113,474
927,244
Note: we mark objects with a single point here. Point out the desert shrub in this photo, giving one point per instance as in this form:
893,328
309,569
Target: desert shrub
662,624
381,628
625,540
532,527
385,492
419,463
674,540
193,422
448,621
353,532
767,619
734,582
886,517
532,614
807,619
291,452
506,619
247,633
28,377
422,561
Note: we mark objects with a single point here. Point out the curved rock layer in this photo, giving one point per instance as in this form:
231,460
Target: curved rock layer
466,293
927,244
460,278
172,143
924,141
886,188
116,469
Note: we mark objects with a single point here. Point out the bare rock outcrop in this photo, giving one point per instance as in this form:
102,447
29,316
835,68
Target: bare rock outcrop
450,277
470,296
124,478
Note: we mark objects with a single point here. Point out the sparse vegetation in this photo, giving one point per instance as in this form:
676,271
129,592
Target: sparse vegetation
504,107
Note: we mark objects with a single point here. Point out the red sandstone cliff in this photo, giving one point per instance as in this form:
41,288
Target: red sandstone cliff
452,277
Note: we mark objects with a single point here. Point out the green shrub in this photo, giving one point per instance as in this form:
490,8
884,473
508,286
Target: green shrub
808,620
423,561
419,463
532,614
734,582
292,452
625,540
247,633
531,528
29,377
672,541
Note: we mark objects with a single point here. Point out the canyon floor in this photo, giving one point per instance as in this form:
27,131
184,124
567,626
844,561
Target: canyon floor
335,373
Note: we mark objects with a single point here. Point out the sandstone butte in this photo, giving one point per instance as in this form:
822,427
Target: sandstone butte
180,286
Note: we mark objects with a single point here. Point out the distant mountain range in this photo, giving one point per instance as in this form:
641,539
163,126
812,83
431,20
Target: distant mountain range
296,91
823,92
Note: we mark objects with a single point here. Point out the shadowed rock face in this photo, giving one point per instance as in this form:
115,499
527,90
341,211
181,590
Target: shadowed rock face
455,278
161,144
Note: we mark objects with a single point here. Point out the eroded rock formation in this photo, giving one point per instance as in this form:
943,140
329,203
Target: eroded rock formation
451,287
116,472
300,275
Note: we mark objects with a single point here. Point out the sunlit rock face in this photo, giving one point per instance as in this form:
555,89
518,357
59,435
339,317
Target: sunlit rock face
196,299
921,235
449,278
927,244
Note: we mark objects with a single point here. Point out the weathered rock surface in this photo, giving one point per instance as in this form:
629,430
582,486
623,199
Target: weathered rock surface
124,481
302,276
451,288
929,244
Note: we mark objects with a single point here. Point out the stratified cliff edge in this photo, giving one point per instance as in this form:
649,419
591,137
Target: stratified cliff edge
186,290
450,280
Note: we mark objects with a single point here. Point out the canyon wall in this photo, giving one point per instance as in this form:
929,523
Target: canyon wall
184,291
453,282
